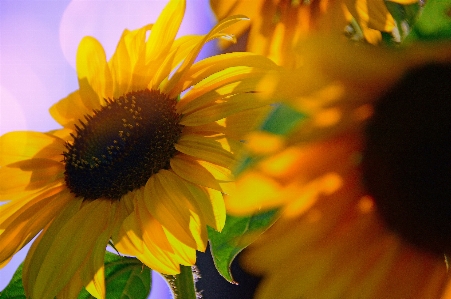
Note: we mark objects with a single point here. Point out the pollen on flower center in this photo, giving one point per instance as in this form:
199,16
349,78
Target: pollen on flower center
407,159
120,146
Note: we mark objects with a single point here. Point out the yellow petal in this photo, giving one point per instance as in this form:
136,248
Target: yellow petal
211,204
173,88
72,289
172,214
22,145
20,222
190,170
128,64
165,29
158,253
94,272
179,50
29,175
238,61
217,150
160,261
152,231
221,108
223,175
40,248
75,239
176,188
230,81
94,77
223,9
185,255
129,240
69,110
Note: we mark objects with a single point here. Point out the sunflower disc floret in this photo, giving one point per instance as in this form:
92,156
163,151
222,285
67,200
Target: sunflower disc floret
122,145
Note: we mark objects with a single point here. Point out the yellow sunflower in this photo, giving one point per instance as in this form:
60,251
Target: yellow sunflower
363,182
143,158
277,25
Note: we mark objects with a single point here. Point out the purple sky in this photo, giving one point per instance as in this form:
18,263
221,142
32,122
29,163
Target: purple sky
38,42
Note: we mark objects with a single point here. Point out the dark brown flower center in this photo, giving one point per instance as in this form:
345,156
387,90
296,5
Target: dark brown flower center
407,160
119,147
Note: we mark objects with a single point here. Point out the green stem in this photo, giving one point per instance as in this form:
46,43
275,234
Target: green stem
182,285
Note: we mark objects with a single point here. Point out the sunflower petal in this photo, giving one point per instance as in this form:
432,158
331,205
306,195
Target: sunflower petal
190,170
206,67
133,72
72,289
211,203
94,272
21,145
185,255
174,88
29,176
165,29
19,222
152,231
219,85
222,108
174,215
236,126
94,77
69,110
40,248
85,226
180,49
128,239
217,150
177,190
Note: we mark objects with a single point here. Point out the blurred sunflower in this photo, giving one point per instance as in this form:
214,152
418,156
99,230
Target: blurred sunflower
276,26
363,181
143,158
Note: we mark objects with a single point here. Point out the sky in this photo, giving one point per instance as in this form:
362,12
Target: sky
38,43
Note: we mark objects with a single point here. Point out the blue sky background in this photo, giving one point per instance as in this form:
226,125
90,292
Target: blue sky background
38,43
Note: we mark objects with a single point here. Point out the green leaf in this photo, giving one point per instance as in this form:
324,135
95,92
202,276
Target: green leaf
434,22
236,236
14,290
125,277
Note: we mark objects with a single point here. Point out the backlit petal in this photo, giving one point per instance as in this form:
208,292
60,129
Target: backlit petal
56,270
94,77
174,215
22,145
70,110
28,176
19,222
173,87
217,150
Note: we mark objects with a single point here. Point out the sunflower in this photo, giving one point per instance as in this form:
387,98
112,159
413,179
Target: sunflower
276,26
143,158
363,181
